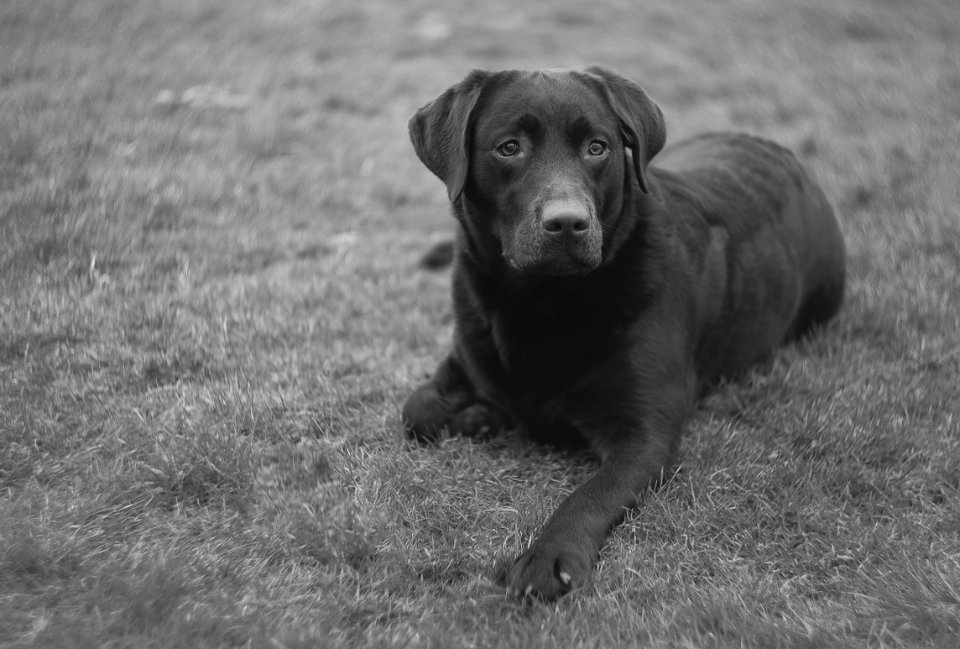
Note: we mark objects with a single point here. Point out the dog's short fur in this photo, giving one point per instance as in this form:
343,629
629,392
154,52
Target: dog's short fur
595,297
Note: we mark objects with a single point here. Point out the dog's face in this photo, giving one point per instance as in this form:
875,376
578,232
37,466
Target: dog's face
536,162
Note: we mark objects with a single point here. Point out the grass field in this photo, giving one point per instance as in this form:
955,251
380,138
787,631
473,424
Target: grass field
210,311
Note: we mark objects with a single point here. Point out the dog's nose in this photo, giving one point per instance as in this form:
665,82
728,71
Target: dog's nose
565,217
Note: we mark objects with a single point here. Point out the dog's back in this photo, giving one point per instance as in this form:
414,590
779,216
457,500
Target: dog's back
782,251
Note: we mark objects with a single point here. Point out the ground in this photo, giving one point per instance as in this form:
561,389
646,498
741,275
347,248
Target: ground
210,311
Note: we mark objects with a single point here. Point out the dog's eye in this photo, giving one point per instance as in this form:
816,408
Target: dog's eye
509,148
597,148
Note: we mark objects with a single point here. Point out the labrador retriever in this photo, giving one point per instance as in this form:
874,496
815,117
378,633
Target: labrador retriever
596,296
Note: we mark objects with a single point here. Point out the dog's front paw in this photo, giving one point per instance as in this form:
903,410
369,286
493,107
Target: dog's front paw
428,413
547,571
477,420
425,414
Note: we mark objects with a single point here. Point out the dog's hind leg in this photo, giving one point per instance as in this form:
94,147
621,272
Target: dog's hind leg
817,308
825,273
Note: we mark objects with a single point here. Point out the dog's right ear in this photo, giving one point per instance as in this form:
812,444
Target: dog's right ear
440,132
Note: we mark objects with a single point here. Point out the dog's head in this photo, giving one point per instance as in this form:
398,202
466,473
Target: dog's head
536,163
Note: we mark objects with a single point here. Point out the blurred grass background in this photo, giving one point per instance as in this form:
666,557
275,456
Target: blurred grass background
210,217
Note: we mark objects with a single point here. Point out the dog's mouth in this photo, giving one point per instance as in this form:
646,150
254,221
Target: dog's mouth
555,265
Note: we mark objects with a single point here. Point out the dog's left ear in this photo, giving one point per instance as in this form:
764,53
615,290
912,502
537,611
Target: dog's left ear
640,118
440,132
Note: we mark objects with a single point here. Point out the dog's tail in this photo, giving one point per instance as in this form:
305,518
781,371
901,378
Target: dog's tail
438,257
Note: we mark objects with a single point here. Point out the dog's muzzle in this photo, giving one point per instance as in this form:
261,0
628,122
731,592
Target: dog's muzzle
562,237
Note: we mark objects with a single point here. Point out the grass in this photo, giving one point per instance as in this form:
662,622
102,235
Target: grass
210,311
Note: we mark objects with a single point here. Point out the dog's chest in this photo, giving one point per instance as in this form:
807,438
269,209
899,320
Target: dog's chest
543,356
554,376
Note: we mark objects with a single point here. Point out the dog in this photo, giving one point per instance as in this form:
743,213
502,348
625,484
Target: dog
596,296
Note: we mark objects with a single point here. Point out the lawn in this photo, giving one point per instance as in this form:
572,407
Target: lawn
211,310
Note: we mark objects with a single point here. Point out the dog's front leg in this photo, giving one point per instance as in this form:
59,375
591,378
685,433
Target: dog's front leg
449,401
562,556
